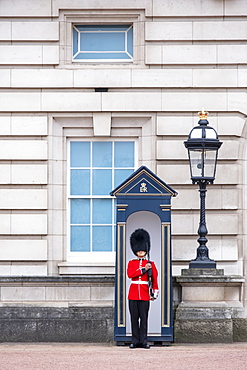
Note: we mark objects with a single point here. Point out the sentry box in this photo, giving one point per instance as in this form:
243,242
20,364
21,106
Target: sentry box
144,201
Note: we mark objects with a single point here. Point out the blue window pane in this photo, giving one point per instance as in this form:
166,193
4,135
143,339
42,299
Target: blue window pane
120,176
102,182
102,238
102,56
79,182
80,238
102,41
130,41
102,211
102,154
80,211
124,154
80,154
75,40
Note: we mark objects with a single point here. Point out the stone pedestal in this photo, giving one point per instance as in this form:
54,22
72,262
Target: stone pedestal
210,302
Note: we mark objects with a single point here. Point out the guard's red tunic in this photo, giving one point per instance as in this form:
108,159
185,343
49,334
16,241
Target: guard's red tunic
139,289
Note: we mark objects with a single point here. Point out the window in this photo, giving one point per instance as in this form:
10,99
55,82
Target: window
103,43
96,168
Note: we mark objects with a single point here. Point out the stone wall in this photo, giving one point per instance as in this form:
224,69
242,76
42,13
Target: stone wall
187,56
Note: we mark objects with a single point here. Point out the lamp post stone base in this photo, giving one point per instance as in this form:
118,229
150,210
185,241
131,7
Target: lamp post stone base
210,302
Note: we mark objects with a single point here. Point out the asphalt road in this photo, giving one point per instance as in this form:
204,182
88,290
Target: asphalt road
71,356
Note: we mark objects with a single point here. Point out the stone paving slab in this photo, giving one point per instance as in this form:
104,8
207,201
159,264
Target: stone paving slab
71,356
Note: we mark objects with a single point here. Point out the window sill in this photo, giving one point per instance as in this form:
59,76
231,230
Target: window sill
70,268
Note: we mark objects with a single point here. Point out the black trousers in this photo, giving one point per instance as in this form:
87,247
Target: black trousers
139,320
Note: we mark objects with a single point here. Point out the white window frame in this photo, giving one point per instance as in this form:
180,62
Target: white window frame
92,257
115,60
68,18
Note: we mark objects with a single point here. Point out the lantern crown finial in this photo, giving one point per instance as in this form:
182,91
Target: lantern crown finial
202,114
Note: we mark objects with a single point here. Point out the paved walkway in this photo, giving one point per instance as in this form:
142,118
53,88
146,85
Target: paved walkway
83,356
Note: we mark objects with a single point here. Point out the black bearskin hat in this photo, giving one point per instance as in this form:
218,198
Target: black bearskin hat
140,241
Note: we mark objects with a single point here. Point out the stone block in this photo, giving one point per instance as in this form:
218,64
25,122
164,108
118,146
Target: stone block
52,324
5,174
28,224
235,8
23,199
232,294
50,54
163,31
41,78
20,102
23,149
237,102
240,330
184,250
223,224
28,174
182,224
5,270
189,54
175,125
227,174
224,250
180,174
20,54
231,54
4,223
153,54
242,77
220,30
229,250
33,269
25,8
229,150
67,293
174,174
4,78
203,331
20,294
161,78
23,250
93,78
70,101
102,124
35,31
171,149
141,101
230,125
187,8
215,101
5,125
102,293
215,78
5,31
203,294
57,172
29,125
109,4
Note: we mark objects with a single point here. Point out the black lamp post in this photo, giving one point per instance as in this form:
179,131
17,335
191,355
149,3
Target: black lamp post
202,145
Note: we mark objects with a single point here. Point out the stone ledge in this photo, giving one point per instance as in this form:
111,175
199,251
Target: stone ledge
57,280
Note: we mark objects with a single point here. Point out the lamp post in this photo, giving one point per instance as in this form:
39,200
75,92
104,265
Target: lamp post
202,145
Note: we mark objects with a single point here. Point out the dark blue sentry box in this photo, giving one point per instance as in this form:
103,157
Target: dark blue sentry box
144,201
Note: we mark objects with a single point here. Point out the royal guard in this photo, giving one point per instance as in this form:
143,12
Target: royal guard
143,288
